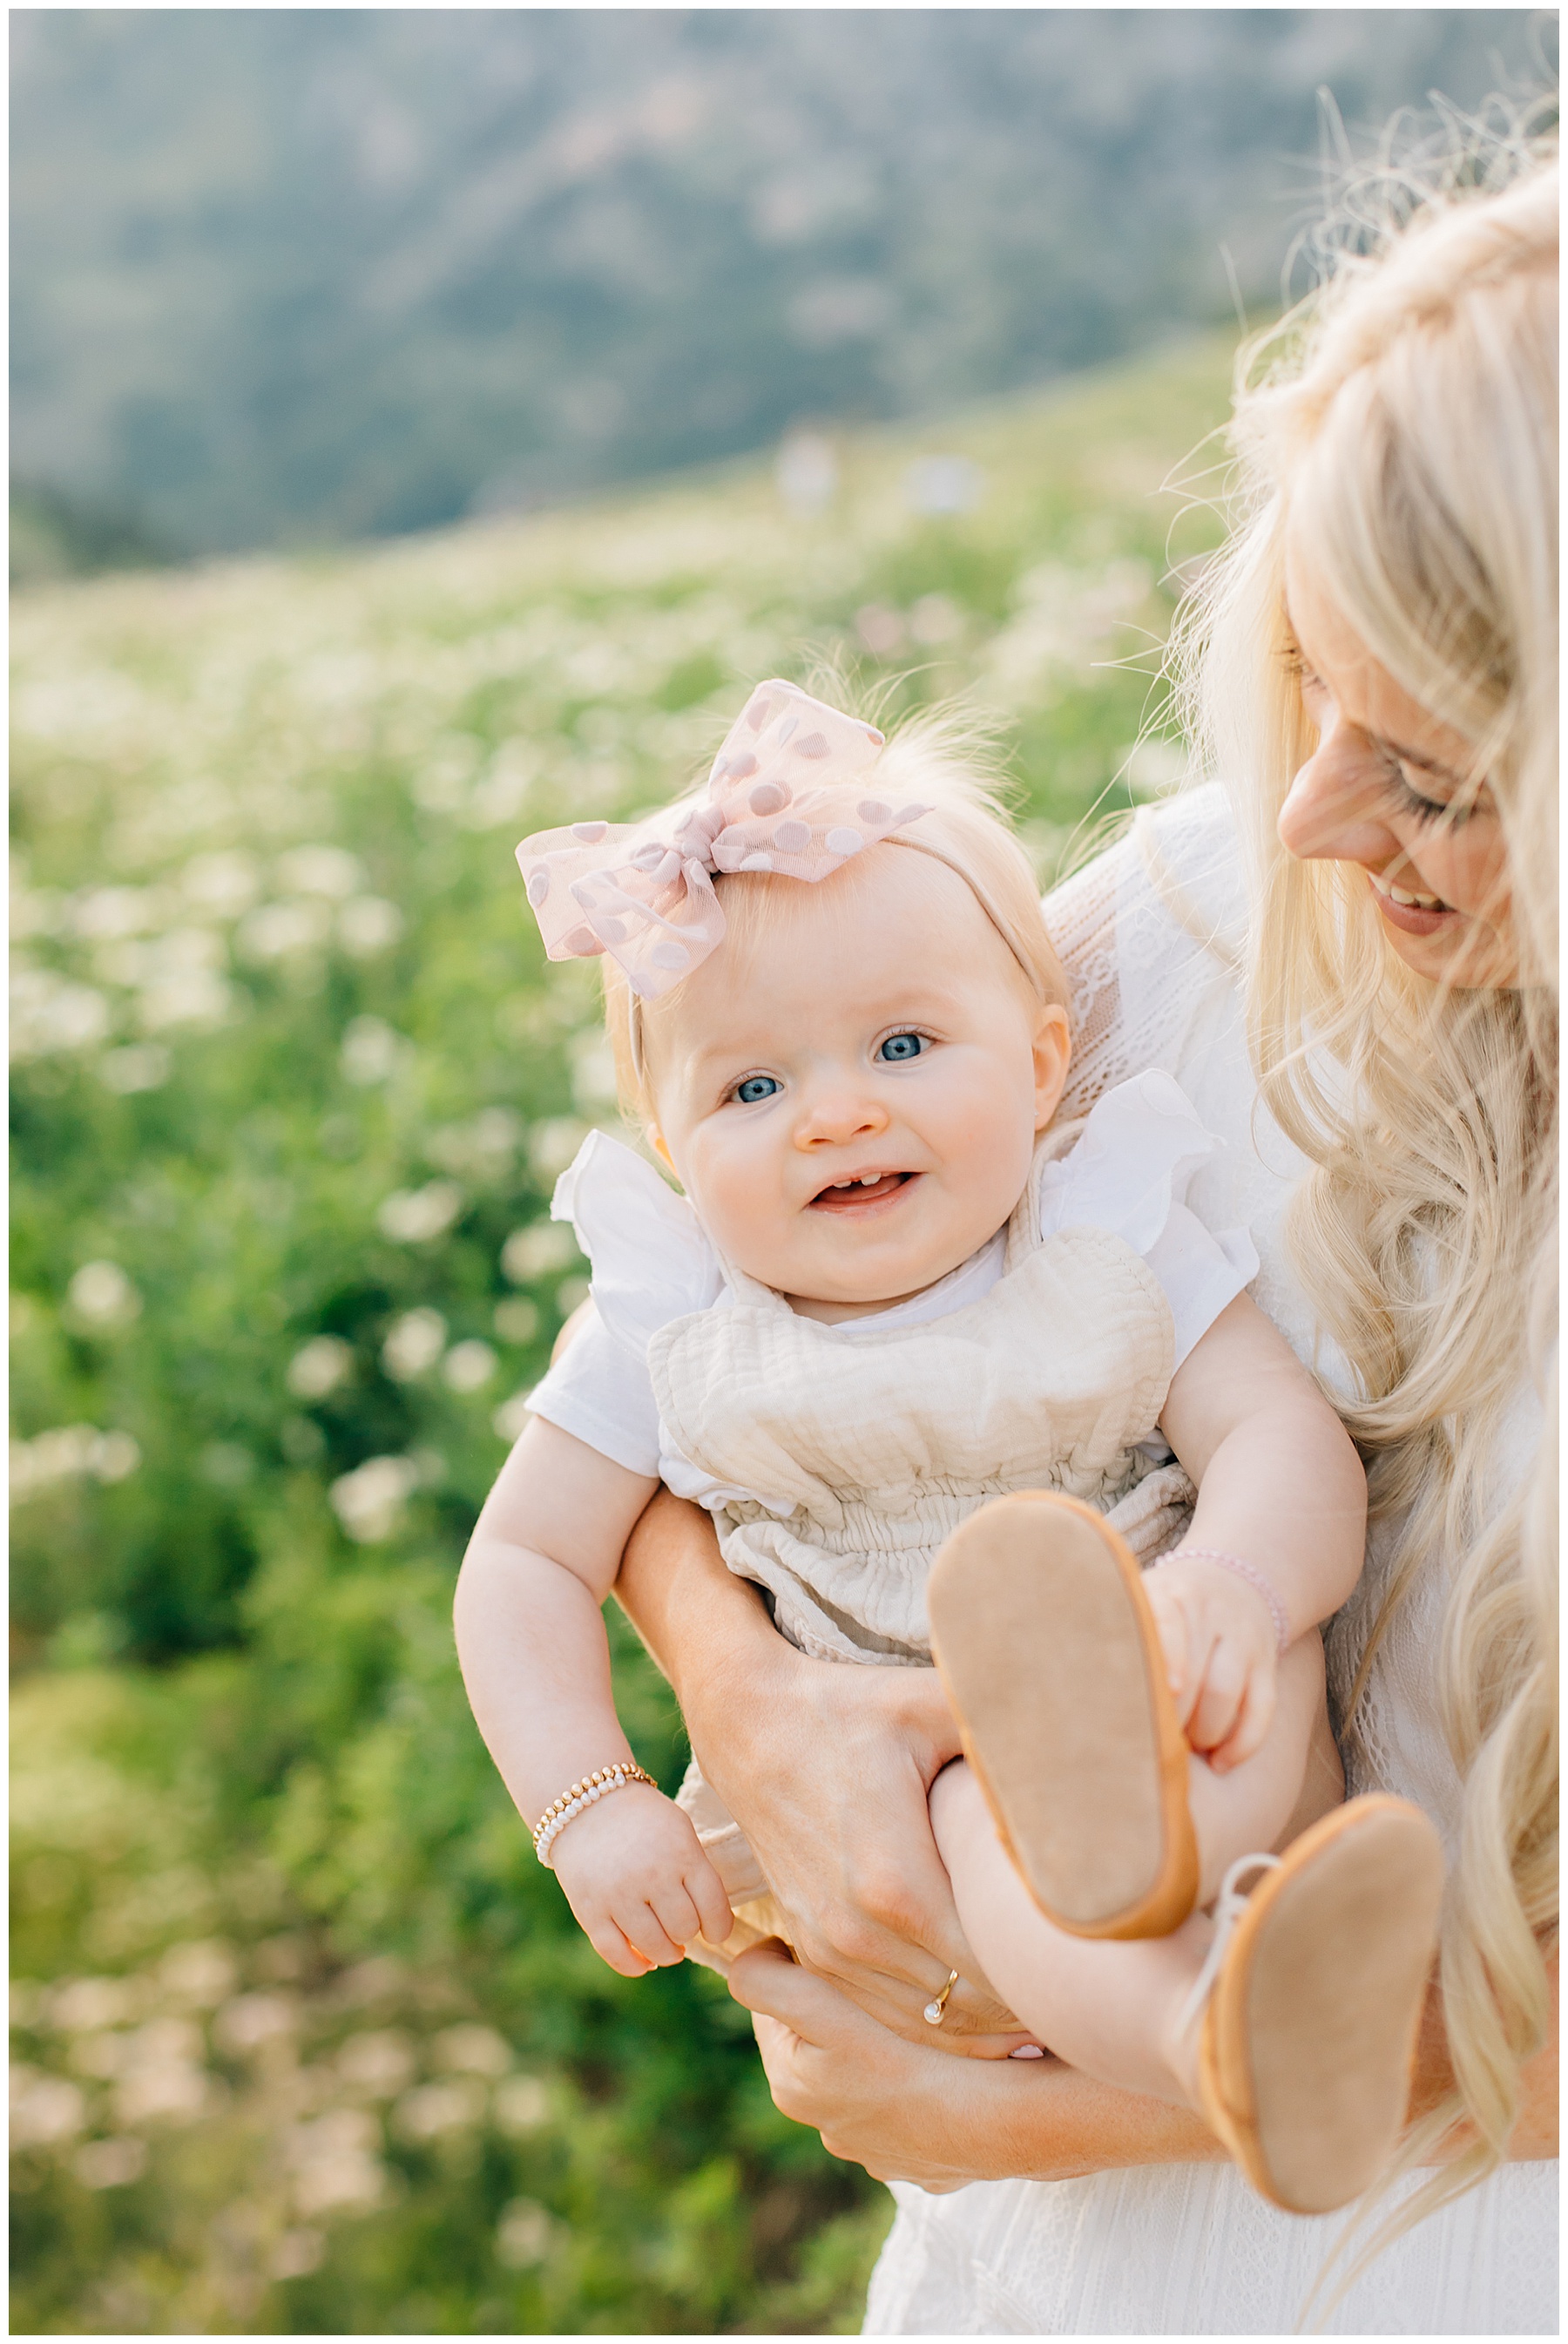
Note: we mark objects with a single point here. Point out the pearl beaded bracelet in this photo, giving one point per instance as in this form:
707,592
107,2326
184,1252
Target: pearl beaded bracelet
598,1785
1247,1570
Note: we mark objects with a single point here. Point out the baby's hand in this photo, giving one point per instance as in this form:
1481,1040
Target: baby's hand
1221,1651
637,1878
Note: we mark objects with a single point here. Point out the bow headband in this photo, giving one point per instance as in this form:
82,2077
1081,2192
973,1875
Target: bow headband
786,792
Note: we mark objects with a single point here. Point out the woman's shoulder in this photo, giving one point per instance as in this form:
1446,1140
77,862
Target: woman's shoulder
1152,937
1176,869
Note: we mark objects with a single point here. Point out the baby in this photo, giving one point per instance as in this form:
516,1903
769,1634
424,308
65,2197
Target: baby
898,1315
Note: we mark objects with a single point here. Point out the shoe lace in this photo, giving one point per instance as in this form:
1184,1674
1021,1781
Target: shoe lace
1228,1906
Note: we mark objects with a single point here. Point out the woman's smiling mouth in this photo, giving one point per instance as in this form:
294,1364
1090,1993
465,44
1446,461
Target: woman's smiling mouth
867,1189
1418,916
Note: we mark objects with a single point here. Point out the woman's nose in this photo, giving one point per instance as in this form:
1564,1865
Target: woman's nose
1332,812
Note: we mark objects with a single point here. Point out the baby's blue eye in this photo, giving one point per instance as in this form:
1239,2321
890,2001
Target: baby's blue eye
902,1045
755,1088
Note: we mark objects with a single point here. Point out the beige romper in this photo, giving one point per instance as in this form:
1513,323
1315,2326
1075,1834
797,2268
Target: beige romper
879,1443
835,1460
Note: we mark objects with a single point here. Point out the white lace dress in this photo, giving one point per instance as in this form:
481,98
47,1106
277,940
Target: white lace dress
1152,936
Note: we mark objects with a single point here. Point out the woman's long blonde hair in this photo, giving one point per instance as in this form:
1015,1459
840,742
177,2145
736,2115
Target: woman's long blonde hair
1404,418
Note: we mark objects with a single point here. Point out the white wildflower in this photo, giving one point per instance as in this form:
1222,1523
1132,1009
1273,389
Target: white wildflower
251,2020
297,2253
68,1452
516,1319
554,1143
110,2164
433,2108
524,2235
172,2091
321,871
378,2063
107,912
522,2104
468,1365
320,1366
225,884
936,619
334,2165
274,931
79,2006
414,1344
47,1014
485,1147
44,2109
189,996
137,1066
415,1215
101,1295
534,1252
371,1052
370,1501
199,1975
368,924
472,2051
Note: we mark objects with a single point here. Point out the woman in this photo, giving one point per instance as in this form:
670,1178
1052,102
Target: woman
1375,654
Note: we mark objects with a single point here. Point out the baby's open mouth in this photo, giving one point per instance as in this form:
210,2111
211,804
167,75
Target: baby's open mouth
851,1196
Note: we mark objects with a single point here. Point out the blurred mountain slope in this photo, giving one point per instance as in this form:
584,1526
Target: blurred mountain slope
290,275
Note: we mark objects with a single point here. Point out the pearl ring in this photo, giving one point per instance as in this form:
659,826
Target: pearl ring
935,2011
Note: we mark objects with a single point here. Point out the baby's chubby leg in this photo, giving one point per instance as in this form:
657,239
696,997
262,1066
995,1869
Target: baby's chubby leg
1290,1781
1113,2009
1110,2009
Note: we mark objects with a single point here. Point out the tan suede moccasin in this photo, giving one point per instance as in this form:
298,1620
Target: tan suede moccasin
1309,2037
1051,1661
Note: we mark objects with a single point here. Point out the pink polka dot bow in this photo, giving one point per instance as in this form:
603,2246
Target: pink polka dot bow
786,792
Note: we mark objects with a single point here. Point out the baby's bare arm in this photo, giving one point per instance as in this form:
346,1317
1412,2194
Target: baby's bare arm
1280,1487
535,1664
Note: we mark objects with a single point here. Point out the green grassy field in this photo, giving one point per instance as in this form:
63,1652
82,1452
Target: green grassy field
307,2041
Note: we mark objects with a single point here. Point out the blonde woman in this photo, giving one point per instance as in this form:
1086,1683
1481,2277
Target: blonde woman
1373,665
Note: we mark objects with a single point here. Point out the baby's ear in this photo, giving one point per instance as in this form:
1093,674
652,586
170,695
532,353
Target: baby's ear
1052,1055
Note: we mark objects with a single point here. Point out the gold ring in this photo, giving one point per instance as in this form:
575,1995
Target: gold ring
935,2010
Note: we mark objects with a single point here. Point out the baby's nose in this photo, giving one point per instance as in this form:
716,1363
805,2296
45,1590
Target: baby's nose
833,1117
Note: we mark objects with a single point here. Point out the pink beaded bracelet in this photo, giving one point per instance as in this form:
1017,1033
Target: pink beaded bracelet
1253,1577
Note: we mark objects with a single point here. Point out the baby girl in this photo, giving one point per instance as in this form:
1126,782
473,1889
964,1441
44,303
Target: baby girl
952,1380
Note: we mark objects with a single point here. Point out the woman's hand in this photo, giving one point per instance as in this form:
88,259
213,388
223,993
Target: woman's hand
905,2114
826,1768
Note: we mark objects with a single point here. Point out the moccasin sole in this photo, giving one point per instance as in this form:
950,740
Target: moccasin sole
1308,2038
1051,1661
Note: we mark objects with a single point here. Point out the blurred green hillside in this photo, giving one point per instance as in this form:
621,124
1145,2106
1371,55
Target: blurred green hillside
298,276
307,2040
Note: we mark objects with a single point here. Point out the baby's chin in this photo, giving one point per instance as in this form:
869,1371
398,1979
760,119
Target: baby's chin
838,1293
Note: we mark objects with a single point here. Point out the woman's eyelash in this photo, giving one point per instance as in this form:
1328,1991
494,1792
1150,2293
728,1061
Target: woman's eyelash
1424,811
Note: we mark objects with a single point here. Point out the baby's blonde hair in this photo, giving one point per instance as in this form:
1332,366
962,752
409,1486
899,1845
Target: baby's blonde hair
945,764
1405,422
